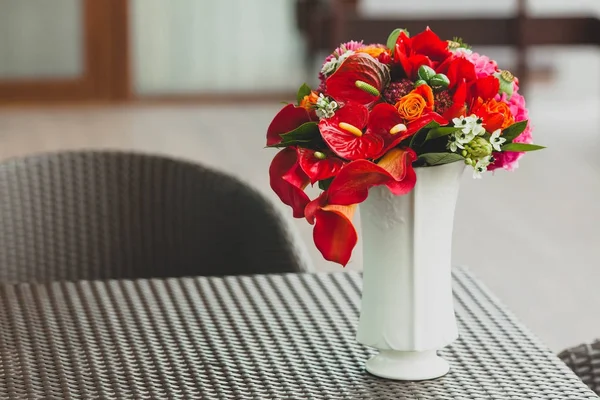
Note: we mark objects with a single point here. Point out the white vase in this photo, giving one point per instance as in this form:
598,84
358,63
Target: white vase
407,306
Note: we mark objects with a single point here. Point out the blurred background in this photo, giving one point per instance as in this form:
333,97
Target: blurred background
201,80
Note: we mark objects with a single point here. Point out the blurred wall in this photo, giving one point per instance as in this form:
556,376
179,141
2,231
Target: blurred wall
40,39
432,8
192,46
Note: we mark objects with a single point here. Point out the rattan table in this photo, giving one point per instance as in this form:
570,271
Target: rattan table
260,337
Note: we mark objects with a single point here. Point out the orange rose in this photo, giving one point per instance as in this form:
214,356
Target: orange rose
373,51
309,101
500,107
412,106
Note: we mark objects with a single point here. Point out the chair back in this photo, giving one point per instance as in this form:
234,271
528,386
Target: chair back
104,215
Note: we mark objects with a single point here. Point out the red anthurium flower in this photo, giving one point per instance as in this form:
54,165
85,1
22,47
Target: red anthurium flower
334,234
288,180
289,118
318,165
425,48
345,133
351,185
423,121
359,67
386,122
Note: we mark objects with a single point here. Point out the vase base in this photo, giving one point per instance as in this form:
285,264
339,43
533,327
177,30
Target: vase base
407,365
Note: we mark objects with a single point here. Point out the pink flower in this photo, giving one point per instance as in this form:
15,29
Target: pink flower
344,47
509,160
351,45
484,66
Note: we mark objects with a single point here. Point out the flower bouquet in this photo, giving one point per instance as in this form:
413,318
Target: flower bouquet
383,117
382,110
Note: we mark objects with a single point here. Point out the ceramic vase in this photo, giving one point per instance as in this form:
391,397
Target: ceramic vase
407,308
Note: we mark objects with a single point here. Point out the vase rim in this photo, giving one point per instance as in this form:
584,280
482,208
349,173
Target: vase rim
437,166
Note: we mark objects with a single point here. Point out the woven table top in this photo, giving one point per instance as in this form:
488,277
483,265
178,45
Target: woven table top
262,337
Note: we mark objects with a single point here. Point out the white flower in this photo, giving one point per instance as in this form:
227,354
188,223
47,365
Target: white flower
458,121
496,140
461,51
323,113
325,108
329,67
457,140
480,167
347,54
487,160
478,171
478,129
469,127
452,145
322,101
463,123
463,138
472,123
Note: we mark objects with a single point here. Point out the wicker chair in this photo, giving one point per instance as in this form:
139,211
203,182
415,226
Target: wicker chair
104,215
584,360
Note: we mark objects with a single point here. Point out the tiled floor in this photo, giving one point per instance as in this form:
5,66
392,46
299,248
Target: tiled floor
533,236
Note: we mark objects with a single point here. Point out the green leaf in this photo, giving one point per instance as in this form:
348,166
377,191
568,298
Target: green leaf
521,147
302,134
440,158
420,137
303,91
514,130
391,42
324,184
431,125
439,132
301,143
460,42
